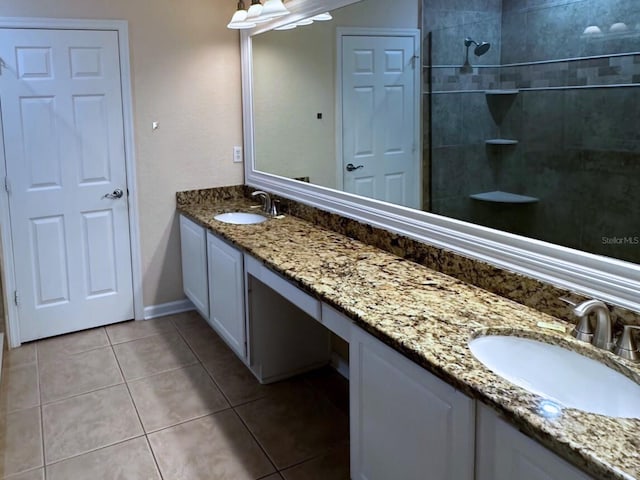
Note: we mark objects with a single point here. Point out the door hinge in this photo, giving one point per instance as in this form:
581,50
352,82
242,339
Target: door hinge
7,185
16,299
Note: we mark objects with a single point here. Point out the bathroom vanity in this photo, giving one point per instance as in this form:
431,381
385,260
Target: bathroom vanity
419,401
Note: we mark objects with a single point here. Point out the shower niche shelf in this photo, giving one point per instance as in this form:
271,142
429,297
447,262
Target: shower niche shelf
499,103
498,196
501,141
502,92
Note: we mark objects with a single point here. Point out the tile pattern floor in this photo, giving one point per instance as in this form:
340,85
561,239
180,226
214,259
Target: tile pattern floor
164,399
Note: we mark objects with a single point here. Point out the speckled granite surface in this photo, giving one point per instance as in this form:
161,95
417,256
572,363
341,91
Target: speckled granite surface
429,317
514,286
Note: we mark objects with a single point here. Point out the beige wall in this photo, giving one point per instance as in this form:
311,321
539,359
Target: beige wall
185,75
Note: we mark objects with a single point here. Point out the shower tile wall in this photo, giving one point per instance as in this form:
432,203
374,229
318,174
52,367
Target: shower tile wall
579,148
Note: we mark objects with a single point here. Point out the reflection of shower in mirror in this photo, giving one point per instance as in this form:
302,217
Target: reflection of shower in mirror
481,49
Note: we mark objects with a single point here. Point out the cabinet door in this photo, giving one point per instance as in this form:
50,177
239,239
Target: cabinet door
226,293
405,423
193,242
506,454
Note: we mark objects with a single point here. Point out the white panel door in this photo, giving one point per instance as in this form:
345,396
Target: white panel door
380,158
405,423
503,453
61,105
226,293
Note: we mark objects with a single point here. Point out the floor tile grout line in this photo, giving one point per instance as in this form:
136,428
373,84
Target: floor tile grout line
233,408
182,422
41,409
202,365
104,446
146,434
308,383
173,369
271,460
75,395
153,455
126,384
18,474
44,340
94,450
111,344
198,361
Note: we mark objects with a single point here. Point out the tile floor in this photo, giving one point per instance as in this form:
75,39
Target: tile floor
164,399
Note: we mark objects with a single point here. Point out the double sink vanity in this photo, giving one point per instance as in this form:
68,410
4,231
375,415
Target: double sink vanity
433,362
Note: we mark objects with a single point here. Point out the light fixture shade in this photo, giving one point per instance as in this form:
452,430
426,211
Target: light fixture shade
254,13
273,9
323,17
288,26
239,19
306,21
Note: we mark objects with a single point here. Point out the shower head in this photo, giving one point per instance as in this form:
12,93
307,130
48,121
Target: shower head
481,48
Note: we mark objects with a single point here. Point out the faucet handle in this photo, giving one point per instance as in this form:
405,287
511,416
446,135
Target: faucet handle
626,346
275,204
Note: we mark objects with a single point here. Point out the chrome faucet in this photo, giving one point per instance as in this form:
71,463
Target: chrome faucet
266,200
269,205
602,337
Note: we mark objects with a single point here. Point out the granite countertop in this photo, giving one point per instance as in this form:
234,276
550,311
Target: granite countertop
430,317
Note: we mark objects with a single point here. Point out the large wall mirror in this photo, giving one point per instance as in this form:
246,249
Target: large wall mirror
506,129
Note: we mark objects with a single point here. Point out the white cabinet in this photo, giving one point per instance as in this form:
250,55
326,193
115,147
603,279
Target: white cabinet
504,453
194,264
226,293
405,422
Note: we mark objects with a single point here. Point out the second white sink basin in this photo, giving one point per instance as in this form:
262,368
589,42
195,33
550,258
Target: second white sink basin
240,218
561,375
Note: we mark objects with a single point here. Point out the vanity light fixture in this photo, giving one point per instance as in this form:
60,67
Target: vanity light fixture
306,21
288,26
323,17
254,14
239,19
273,9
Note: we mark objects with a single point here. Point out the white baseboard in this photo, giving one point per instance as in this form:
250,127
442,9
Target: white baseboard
170,308
340,365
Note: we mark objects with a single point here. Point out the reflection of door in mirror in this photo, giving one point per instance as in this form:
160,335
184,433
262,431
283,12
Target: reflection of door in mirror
296,89
379,112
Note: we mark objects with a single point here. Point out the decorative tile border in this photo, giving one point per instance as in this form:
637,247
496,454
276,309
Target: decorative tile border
580,72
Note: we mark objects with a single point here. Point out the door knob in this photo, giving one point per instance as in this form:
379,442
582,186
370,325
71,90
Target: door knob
351,167
117,193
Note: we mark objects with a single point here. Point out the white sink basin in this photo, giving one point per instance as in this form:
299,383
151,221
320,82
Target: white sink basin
240,218
560,375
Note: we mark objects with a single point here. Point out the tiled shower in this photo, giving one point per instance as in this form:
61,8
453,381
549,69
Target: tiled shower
549,115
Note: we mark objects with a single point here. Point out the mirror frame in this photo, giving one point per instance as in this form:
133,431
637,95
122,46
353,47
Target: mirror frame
608,279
